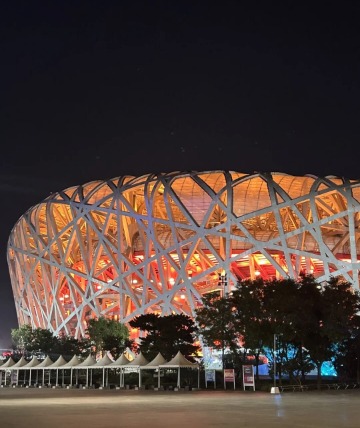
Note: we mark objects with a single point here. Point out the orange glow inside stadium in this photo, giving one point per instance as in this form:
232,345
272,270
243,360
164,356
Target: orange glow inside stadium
157,243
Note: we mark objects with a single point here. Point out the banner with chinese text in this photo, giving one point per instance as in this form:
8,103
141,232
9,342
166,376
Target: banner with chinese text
248,376
229,376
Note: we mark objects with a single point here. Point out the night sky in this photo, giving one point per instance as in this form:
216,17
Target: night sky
100,89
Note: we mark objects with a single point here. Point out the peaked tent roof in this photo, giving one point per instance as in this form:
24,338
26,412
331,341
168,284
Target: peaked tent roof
180,361
46,363
121,361
34,362
138,361
9,363
156,362
58,363
89,361
104,361
73,362
21,363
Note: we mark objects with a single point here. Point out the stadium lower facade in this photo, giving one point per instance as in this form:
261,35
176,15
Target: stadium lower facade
157,243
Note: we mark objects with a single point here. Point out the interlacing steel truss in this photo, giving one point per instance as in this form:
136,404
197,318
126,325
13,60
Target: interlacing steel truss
157,243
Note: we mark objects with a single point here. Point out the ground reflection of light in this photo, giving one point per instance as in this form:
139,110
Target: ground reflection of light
279,406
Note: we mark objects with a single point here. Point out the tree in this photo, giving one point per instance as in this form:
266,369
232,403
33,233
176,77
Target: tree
151,324
42,341
337,315
311,319
284,308
251,322
107,335
217,324
347,358
68,346
168,335
22,337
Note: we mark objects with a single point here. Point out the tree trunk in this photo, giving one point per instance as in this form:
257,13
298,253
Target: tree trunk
318,366
302,363
279,370
223,354
257,366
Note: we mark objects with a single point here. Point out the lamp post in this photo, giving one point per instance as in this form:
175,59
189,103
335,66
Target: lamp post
223,281
275,389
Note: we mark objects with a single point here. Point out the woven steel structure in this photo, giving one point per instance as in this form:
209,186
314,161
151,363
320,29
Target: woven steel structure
157,243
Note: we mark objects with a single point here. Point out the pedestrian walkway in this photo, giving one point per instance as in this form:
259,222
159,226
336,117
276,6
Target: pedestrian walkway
71,408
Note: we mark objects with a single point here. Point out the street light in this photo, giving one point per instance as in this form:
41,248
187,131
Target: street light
275,389
223,281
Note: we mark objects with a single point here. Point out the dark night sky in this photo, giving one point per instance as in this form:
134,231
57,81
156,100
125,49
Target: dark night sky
99,89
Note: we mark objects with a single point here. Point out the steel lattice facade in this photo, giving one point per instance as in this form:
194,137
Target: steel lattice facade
157,243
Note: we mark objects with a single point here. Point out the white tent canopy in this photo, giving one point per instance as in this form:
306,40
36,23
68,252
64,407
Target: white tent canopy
103,363
120,363
89,361
178,362
154,365
87,364
123,363
138,362
33,363
46,363
156,362
43,365
9,363
58,365
70,365
21,363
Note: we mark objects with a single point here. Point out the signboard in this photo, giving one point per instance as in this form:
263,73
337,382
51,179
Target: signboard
131,369
248,376
210,376
229,376
157,374
212,358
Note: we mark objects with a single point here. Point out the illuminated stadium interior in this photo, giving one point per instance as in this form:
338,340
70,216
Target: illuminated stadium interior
157,243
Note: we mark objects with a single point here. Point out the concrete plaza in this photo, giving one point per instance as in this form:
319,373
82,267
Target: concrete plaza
70,408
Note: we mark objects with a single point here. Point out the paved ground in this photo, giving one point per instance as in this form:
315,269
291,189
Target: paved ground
40,408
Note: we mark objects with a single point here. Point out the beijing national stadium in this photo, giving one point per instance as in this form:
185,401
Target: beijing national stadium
157,243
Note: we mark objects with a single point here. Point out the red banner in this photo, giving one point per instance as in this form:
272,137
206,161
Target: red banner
229,375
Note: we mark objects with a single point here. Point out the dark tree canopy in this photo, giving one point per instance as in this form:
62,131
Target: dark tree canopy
107,335
167,335
29,341
217,324
310,321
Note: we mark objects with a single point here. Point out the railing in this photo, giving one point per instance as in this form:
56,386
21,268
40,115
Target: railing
328,386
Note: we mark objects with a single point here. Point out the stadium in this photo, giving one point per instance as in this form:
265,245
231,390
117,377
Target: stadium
157,243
